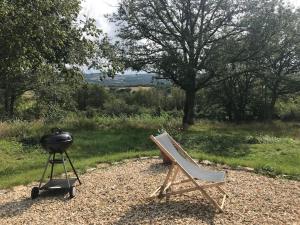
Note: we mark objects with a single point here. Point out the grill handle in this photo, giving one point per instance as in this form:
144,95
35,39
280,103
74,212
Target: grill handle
56,130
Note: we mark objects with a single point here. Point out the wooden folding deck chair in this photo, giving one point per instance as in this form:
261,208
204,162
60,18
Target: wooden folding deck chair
183,162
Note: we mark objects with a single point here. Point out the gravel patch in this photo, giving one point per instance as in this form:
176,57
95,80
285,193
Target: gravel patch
116,195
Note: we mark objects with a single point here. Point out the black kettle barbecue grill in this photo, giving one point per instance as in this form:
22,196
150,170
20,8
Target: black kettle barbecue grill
57,143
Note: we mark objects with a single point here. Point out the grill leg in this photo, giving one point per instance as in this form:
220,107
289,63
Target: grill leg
46,166
63,159
52,166
73,167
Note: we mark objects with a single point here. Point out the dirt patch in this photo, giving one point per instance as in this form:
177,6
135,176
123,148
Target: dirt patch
116,195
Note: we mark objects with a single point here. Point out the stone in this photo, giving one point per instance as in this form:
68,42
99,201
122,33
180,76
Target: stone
90,170
206,162
2,192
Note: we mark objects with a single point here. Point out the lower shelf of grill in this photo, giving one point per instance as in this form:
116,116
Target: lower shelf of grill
59,184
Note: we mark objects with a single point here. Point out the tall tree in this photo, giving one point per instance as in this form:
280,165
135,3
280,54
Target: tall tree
237,64
260,64
280,64
36,35
177,39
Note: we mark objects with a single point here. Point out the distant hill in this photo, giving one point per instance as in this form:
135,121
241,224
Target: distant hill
126,80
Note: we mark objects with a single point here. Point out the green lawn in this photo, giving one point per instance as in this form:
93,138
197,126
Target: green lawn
21,164
270,148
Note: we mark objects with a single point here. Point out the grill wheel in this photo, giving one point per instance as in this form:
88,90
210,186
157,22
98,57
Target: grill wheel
72,192
35,192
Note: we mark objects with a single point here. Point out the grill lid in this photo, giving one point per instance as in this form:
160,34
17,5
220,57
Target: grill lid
57,142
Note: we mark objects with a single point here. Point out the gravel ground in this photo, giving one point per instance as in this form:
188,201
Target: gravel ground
115,194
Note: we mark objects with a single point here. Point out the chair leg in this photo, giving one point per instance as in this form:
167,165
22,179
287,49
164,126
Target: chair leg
222,190
168,189
225,195
161,188
167,179
174,175
153,195
223,201
206,195
211,200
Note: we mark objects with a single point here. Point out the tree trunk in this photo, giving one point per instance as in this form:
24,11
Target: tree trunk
228,109
12,104
6,104
6,100
271,107
9,101
189,105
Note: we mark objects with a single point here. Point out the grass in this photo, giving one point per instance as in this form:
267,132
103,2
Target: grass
272,148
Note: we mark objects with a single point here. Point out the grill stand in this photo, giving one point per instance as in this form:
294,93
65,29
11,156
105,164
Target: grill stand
54,184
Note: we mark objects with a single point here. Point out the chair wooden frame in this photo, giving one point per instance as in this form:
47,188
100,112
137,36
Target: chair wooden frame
165,189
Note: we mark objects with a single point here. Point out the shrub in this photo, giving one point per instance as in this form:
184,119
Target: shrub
119,107
54,114
267,139
91,96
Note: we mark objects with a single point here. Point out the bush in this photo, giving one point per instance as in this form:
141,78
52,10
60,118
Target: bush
267,139
83,123
91,96
22,129
54,114
117,107
289,109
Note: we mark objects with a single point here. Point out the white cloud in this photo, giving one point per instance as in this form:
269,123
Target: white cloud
295,2
97,9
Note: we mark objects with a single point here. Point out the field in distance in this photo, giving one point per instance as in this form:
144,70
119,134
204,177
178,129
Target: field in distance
126,80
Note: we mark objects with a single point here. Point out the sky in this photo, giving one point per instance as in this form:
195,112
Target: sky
97,9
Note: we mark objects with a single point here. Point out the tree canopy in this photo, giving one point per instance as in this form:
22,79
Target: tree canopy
40,38
194,43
